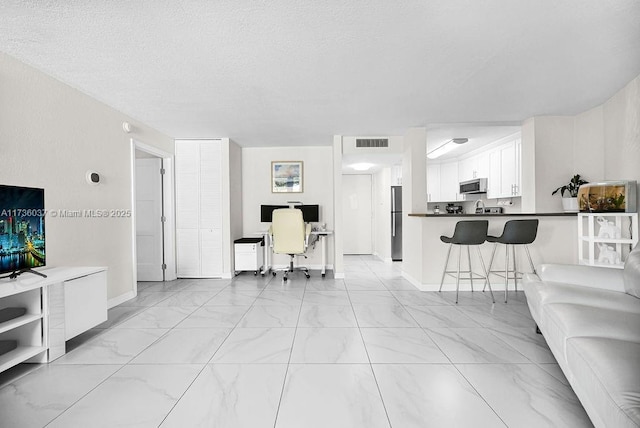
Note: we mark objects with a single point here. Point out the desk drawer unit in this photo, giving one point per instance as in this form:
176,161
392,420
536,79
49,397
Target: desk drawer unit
248,254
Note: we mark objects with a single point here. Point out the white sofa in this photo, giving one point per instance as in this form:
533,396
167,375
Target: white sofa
590,318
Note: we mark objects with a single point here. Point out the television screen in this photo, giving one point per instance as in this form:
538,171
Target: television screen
22,243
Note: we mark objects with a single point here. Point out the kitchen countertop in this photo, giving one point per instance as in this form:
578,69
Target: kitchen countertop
560,214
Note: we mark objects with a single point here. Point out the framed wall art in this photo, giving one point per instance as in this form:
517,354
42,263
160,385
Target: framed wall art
286,177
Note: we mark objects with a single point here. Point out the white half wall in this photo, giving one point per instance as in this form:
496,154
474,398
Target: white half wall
50,135
317,189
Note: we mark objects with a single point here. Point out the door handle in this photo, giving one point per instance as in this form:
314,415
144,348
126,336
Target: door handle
393,199
393,226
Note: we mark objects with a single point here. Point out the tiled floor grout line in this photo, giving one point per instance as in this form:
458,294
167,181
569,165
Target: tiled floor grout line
362,271
373,373
286,372
204,366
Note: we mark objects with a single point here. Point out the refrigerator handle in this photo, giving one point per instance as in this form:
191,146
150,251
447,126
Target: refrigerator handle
393,200
393,226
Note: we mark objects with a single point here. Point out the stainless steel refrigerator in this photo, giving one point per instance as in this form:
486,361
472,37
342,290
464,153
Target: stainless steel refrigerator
396,223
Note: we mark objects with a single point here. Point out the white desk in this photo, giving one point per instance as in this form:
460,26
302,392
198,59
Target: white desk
268,254
322,237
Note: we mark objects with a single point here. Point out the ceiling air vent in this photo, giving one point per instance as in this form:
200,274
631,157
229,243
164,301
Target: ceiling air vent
372,142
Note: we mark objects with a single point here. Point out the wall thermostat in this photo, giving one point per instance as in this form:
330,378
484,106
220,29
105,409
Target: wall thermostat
92,177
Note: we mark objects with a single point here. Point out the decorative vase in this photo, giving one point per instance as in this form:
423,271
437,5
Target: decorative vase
570,205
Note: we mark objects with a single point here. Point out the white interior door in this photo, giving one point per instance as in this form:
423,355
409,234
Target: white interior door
149,239
357,214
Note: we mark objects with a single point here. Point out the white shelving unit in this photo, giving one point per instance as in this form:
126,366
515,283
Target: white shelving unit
26,330
598,241
65,303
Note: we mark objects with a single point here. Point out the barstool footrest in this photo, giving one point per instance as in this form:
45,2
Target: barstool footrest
453,274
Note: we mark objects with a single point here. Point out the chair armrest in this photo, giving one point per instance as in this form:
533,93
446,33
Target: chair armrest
587,276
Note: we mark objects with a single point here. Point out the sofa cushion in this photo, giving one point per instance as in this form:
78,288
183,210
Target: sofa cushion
539,293
606,375
565,320
632,273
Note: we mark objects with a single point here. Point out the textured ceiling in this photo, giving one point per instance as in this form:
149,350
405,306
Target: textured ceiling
296,72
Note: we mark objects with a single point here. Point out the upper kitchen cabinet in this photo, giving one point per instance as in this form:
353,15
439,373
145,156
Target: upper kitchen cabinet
449,183
504,170
443,183
433,182
476,166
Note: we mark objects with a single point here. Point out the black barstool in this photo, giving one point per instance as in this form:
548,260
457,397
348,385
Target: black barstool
466,233
516,232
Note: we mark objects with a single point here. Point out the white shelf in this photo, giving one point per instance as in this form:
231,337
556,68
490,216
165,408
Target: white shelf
591,247
608,240
19,321
19,355
600,264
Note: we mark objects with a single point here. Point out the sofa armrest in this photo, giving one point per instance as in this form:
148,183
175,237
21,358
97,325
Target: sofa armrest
587,276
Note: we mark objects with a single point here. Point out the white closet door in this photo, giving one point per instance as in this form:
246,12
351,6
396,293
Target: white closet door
211,186
188,253
199,208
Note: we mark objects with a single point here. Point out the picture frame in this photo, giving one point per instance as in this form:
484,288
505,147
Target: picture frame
286,177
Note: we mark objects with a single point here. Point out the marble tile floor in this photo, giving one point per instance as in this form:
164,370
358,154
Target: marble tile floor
366,351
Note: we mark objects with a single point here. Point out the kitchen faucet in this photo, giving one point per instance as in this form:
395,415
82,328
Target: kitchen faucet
477,205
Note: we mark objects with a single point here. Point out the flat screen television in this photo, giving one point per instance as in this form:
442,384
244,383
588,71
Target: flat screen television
22,232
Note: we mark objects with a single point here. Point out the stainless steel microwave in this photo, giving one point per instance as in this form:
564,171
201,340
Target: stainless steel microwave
477,185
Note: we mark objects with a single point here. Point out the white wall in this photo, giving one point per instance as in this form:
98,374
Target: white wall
414,200
317,189
621,117
50,135
382,214
601,143
553,160
231,195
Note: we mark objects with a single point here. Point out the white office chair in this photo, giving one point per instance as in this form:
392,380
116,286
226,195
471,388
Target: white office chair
289,235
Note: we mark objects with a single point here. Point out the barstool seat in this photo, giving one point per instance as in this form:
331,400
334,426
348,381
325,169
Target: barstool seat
515,232
467,233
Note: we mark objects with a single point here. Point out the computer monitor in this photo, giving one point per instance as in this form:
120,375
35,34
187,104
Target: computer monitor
310,213
266,212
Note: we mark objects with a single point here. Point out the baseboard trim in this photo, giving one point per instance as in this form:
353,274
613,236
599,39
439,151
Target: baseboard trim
121,299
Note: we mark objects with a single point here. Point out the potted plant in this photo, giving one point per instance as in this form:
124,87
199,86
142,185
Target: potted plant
569,193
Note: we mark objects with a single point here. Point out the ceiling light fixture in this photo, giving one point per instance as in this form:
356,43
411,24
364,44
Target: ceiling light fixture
446,147
362,166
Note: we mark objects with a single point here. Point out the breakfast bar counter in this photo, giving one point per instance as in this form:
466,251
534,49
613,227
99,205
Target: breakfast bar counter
562,214
424,253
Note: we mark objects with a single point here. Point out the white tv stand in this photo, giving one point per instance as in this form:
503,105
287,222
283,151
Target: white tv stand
69,301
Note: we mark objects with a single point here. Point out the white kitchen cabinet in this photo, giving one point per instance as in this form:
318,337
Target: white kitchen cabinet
433,182
468,168
476,166
449,182
199,208
504,171
443,182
